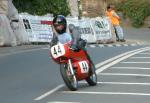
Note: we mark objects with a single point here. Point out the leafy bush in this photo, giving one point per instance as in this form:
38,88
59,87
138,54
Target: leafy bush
41,7
136,10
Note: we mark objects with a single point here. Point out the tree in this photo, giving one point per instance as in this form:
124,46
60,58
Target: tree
136,10
41,7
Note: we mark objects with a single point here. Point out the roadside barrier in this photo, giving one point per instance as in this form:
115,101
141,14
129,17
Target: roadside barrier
35,29
38,28
94,30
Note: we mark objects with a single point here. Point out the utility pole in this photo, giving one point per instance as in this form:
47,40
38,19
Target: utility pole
79,9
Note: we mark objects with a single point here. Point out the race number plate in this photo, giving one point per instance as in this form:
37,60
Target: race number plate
84,67
57,50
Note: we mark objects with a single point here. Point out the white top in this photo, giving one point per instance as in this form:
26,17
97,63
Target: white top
64,38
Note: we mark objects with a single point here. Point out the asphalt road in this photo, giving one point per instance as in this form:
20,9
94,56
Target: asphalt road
27,75
139,34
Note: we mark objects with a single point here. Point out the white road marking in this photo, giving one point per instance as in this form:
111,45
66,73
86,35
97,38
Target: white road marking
124,83
125,44
118,45
144,53
49,92
106,93
118,56
110,45
140,57
120,83
101,45
92,46
45,48
120,59
62,102
135,62
131,68
123,74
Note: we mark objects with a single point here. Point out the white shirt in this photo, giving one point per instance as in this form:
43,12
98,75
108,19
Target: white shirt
64,38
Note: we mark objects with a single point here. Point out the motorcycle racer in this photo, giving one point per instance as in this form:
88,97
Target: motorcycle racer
74,38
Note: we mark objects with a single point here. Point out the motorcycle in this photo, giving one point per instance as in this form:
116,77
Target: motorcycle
74,66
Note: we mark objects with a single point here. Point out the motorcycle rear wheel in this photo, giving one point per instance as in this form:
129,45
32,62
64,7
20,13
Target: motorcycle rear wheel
69,79
92,79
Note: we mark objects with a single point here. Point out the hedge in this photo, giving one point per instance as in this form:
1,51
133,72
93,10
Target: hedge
136,10
41,7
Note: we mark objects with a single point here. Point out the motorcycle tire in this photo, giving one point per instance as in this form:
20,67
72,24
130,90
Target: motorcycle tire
92,79
70,80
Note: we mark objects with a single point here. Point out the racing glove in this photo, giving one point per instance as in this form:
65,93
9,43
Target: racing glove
74,48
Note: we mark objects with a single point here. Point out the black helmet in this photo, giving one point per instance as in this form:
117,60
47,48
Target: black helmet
60,20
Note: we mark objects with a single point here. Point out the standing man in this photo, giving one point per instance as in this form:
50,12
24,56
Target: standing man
115,21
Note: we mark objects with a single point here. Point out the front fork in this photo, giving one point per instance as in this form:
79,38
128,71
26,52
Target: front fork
70,68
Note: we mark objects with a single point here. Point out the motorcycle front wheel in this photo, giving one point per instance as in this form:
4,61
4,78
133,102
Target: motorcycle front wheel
92,79
69,79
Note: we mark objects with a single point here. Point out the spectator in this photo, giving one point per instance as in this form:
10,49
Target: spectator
115,19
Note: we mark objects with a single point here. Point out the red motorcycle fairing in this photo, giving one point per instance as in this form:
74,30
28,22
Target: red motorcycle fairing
82,69
61,53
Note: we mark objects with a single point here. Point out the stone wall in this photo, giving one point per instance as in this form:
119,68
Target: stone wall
147,22
8,13
93,8
3,7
